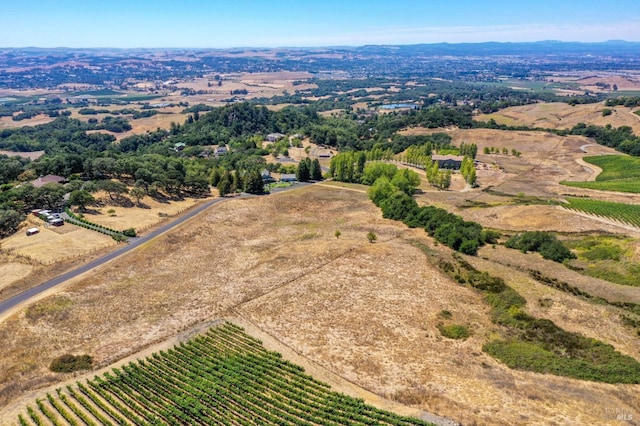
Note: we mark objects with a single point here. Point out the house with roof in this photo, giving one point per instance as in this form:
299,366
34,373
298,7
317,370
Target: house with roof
452,162
266,176
288,177
43,180
83,99
274,137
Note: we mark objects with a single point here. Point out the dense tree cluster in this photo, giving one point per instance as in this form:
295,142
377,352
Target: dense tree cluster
544,243
628,101
437,178
445,227
468,171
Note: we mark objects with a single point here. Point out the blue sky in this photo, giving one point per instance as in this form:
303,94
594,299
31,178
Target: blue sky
277,23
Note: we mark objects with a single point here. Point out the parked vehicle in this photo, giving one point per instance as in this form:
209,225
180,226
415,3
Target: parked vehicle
32,231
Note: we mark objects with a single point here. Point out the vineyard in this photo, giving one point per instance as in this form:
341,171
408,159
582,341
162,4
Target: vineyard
619,173
223,377
624,213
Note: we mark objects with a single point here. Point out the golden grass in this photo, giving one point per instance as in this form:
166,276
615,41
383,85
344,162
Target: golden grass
7,122
140,218
560,115
13,271
54,244
367,312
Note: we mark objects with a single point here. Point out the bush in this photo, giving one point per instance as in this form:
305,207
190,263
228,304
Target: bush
131,232
69,363
454,331
543,242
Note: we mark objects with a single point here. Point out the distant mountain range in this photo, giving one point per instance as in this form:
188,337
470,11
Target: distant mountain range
548,47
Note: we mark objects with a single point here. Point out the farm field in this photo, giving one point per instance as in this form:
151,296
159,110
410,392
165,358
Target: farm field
276,263
557,115
619,173
222,376
55,244
625,213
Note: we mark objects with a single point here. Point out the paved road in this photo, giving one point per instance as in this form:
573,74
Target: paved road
14,301
133,243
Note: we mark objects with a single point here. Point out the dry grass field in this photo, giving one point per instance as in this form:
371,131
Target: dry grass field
150,212
367,312
7,122
546,160
12,271
24,154
53,244
558,115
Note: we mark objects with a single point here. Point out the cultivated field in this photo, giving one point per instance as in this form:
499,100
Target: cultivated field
358,309
223,376
559,115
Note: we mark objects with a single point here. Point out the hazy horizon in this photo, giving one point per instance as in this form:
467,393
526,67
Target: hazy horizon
331,23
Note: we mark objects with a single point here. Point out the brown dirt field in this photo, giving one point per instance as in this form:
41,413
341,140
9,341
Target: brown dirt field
623,82
8,123
558,115
141,125
140,218
30,155
546,160
13,271
54,244
351,307
540,218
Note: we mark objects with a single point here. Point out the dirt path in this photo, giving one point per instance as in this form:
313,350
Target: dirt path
595,170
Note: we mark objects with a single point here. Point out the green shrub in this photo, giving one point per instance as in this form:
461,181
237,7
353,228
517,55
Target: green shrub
68,363
129,232
599,362
543,242
603,252
454,331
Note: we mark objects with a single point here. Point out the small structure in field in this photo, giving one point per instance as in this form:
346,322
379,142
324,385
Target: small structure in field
43,180
266,176
323,153
57,222
288,177
32,231
274,137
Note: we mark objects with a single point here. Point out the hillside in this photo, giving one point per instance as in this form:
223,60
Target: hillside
353,307
556,115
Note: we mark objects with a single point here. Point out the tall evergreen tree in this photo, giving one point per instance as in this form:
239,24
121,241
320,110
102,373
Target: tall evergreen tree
253,182
316,170
302,172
